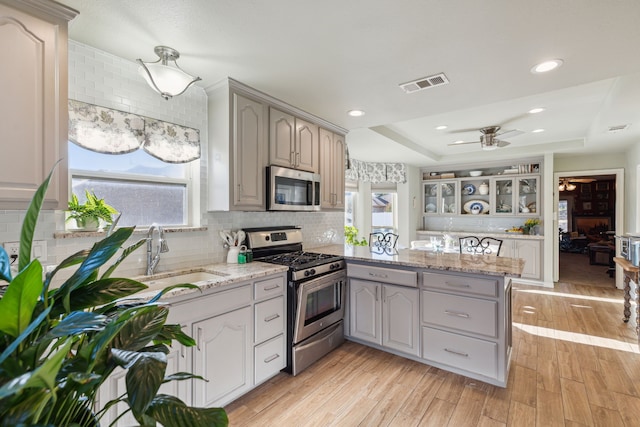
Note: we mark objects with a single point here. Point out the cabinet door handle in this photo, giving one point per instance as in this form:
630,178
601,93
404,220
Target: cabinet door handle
459,353
376,292
384,296
456,313
297,159
271,358
292,158
199,338
272,317
457,285
382,276
270,288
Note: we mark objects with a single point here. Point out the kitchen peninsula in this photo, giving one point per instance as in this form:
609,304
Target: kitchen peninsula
447,310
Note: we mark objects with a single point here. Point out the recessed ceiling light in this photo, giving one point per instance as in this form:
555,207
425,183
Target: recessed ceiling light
536,110
355,113
442,127
543,67
537,131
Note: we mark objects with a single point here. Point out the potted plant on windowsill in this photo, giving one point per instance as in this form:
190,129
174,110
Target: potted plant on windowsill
91,215
58,346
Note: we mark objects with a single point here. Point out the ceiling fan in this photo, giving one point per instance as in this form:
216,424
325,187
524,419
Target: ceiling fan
489,137
569,183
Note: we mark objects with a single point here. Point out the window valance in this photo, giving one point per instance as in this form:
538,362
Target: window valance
109,131
376,172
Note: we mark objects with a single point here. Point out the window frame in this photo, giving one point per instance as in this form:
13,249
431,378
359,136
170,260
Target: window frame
191,182
389,188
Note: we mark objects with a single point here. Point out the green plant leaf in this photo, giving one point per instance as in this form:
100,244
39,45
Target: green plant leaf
30,221
74,259
174,332
144,378
125,254
172,412
22,411
42,377
100,253
5,265
140,330
24,335
78,322
20,299
181,376
169,288
103,291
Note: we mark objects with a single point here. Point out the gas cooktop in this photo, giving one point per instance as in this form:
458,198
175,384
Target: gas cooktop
301,259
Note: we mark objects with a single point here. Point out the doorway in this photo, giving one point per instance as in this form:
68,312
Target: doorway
589,206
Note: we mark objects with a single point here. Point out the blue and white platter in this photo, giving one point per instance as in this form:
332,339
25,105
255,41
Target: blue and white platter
468,189
480,206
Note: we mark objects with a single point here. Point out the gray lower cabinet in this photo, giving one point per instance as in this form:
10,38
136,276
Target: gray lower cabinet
455,321
382,312
466,324
240,343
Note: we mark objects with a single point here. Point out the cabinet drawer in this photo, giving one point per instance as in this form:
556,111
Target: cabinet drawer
385,275
269,359
269,319
470,354
269,288
462,313
456,283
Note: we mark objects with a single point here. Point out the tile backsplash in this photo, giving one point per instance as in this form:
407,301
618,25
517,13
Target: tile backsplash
100,78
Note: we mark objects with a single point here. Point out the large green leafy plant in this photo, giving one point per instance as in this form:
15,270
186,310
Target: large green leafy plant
57,346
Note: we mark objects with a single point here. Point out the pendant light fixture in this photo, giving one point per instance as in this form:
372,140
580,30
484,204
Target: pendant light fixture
167,80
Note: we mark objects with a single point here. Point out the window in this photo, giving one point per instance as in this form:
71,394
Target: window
350,202
141,187
383,211
563,218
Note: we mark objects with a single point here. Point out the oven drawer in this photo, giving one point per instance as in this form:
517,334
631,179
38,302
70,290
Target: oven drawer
470,354
463,284
270,358
269,319
465,314
384,275
269,288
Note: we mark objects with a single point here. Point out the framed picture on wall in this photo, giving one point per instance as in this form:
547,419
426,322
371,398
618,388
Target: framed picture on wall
602,186
585,188
586,206
602,196
603,206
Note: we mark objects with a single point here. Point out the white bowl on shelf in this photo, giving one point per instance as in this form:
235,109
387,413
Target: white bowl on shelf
475,173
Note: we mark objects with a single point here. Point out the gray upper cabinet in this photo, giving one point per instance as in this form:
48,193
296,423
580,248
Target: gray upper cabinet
331,170
248,146
237,150
293,142
33,109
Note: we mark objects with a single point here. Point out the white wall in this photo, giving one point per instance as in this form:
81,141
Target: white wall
632,187
100,78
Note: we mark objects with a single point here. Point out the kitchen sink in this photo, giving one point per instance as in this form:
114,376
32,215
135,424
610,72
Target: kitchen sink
193,277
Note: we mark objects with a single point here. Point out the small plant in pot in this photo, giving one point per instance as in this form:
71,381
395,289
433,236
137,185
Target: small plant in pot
89,214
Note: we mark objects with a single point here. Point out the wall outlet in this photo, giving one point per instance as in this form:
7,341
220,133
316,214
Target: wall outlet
38,250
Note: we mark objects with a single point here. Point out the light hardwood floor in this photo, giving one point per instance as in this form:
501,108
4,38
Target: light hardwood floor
574,363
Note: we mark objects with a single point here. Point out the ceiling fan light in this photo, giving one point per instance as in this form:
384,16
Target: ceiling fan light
489,147
571,186
167,80
561,187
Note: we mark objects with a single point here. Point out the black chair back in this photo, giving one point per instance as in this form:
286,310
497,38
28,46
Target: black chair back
383,240
480,246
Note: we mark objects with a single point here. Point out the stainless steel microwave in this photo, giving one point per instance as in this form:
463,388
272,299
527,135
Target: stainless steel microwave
292,190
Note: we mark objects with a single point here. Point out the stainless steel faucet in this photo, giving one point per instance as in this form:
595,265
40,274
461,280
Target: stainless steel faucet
161,247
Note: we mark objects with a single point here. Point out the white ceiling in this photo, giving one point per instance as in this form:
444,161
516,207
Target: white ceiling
331,56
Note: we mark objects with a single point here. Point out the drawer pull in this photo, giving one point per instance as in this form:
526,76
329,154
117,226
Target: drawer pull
271,358
272,317
456,313
383,276
270,288
459,353
457,285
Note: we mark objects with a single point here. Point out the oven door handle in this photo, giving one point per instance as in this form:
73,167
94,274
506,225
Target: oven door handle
325,281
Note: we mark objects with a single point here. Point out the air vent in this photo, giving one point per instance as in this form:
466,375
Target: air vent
618,128
425,83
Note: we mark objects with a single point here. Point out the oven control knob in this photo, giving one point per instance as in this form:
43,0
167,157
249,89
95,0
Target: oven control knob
310,272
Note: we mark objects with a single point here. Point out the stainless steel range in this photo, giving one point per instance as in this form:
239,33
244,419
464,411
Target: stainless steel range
315,293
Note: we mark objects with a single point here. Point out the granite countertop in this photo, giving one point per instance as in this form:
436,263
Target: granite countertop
497,235
476,264
221,275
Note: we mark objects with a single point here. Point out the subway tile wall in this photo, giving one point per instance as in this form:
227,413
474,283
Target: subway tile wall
100,78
